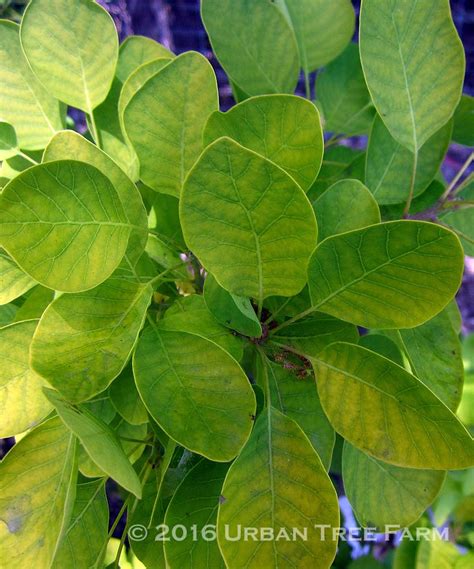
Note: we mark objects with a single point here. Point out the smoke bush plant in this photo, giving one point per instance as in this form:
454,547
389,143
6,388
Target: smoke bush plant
182,288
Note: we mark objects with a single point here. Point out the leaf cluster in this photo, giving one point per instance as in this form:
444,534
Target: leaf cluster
197,304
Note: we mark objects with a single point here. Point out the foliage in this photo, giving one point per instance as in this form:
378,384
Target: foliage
182,288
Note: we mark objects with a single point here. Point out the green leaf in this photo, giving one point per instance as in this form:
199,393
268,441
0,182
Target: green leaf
397,419
136,51
164,220
35,304
37,483
24,102
14,281
261,212
343,96
282,128
298,399
391,275
68,143
87,531
99,441
166,256
345,206
382,494
136,80
234,312
383,346
437,554
413,61
322,28
72,47
22,403
194,507
461,220
389,168
164,120
339,163
311,334
8,141
191,314
107,132
83,341
254,44
7,314
277,482
434,352
59,221
195,391
126,400
464,121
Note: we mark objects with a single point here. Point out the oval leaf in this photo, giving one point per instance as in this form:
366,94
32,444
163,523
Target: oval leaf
279,483
24,102
413,62
382,494
345,206
34,508
343,95
195,391
254,44
194,507
164,120
136,51
322,28
64,224
389,167
22,403
68,143
398,419
261,212
391,275
83,341
72,47
282,128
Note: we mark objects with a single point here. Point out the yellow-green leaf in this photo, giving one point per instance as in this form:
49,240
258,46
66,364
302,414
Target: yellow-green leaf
343,96
283,128
99,441
68,143
14,281
389,168
194,507
297,398
279,483
322,28
345,206
72,47
86,534
164,120
239,211
37,487
254,44
397,419
24,102
136,51
22,403
64,225
391,275
413,61
83,341
382,494
195,391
